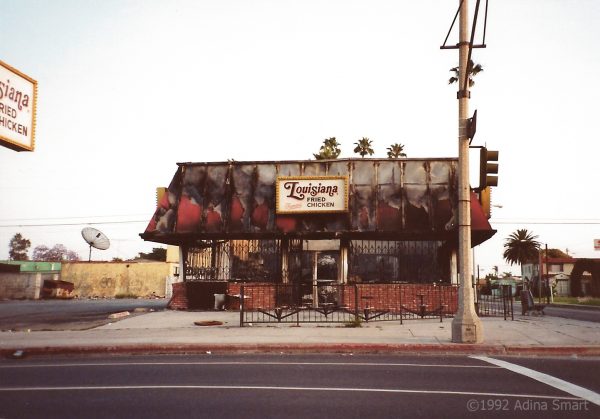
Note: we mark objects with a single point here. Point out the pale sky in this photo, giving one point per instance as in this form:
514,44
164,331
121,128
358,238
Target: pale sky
129,88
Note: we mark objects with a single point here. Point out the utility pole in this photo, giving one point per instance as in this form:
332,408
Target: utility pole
466,325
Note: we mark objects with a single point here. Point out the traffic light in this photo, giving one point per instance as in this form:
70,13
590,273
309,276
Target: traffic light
487,170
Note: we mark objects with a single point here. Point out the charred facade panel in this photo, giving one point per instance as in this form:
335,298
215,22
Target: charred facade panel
362,196
216,201
389,196
414,197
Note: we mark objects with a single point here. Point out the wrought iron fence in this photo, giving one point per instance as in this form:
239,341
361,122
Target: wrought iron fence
334,303
496,304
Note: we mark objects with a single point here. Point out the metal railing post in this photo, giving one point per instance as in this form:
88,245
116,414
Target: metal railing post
401,306
356,315
441,306
504,299
242,306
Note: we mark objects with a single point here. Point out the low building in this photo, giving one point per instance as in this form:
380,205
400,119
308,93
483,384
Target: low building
310,223
26,279
139,278
577,277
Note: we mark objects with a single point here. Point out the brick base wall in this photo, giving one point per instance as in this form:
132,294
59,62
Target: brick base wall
390,297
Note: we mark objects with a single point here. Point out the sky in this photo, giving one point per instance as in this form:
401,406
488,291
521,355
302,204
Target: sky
126,89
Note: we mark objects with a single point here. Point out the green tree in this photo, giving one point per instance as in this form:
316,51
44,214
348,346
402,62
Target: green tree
395,151
329,150
555,253
157,253
363,147
521,247
473,69
18,247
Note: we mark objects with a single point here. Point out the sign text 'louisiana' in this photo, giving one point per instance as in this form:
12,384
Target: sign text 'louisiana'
18,95
312,194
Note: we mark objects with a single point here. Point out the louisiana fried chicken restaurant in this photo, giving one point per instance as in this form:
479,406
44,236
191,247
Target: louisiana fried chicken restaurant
313,225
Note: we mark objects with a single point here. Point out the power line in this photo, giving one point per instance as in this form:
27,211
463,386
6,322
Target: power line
70,218
76,224
546,222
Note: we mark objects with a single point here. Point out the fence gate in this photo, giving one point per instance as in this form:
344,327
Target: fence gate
496,305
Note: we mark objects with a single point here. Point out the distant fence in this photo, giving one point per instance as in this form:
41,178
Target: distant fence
335,303
499,304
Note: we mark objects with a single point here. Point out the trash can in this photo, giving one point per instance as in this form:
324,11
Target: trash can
219,301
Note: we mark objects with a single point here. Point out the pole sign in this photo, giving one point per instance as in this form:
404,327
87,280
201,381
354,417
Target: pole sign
596,244
311,194
18,102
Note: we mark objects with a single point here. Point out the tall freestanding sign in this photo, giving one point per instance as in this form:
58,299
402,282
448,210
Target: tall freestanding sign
18,102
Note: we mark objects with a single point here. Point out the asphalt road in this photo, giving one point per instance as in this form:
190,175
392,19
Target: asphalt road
68,314
287,386
579,313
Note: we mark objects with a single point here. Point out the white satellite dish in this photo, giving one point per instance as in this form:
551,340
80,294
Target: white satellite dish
95,238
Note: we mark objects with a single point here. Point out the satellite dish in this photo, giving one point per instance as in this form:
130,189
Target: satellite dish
95,238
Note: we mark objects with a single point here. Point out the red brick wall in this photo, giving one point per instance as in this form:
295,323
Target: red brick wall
394,296
179,300
389,297
256,295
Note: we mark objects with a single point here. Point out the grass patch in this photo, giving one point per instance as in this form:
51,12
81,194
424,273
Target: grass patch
126,295
585,301
354,323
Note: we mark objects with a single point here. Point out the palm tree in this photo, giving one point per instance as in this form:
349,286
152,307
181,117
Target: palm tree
363,147
474,69
329,150
396,150
521,247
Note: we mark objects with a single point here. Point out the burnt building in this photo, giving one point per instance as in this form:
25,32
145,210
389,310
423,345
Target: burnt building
343,221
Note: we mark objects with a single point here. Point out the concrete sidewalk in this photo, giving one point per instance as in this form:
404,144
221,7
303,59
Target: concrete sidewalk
175,332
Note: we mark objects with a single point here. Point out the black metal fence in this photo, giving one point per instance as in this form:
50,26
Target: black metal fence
497,304
334,303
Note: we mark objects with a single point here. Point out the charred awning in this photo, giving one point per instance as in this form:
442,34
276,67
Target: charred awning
386,199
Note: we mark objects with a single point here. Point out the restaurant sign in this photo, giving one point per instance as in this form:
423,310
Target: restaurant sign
312,194
18,96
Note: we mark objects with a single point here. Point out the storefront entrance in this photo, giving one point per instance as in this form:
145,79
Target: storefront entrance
313,265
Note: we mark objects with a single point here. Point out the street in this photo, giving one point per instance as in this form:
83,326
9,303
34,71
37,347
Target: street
271,386
67,314
585,314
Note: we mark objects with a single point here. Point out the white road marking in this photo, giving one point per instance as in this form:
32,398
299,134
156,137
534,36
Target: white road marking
567,387
272,388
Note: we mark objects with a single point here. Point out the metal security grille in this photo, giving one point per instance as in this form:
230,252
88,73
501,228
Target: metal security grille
376,261
256,260
244,260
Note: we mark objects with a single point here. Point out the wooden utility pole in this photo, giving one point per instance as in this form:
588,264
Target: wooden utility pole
466,325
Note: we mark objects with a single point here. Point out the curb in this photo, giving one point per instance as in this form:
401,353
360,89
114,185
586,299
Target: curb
397,349
575,306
